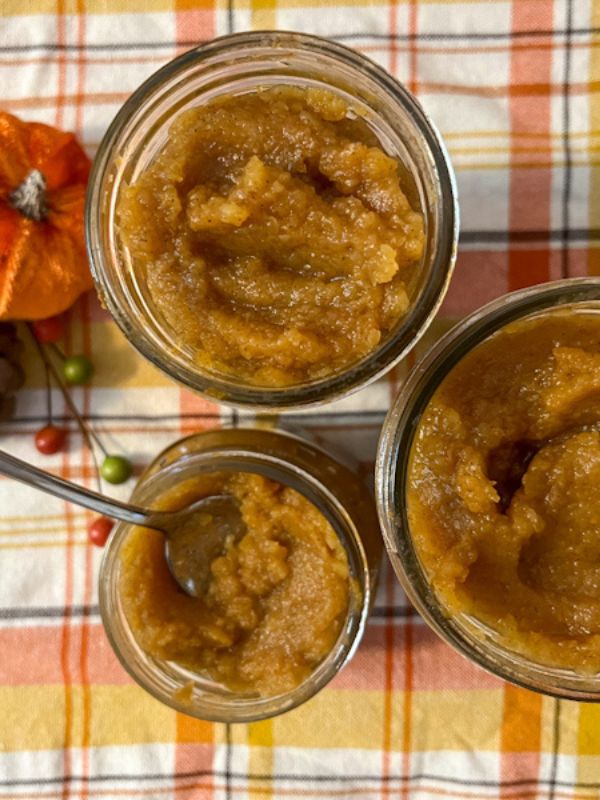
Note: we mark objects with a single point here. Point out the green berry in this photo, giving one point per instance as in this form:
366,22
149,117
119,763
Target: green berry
77,370
116,469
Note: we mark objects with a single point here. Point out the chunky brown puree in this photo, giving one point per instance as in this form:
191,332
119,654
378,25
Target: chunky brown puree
522,556
274,235
276,601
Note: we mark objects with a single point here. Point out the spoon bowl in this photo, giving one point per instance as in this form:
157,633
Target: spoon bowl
195,535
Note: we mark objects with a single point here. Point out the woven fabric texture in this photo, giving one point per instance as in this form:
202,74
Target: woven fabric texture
514,88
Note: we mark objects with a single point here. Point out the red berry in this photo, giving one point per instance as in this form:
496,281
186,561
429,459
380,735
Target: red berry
50,440
48,330
99,530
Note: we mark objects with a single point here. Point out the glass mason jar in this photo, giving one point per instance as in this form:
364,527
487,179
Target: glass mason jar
239,64
463,633
333,487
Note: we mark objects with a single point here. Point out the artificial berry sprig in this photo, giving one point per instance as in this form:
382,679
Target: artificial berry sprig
48,330
50,439
76,371
99,530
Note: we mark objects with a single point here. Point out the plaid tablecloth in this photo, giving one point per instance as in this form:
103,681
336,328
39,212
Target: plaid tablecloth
515,89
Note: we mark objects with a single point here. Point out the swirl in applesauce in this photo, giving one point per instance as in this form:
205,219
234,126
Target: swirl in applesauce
503,497
275,235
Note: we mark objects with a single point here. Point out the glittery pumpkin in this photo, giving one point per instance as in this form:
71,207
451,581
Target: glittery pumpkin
43,263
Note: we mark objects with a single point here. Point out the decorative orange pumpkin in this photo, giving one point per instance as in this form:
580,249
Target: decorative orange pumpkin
43,263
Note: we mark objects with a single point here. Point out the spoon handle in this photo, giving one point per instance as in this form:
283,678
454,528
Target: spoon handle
13,467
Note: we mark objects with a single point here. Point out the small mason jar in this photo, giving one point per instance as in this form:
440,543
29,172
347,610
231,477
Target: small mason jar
392,472
234,65
336,491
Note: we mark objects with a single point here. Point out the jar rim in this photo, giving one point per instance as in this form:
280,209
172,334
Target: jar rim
392,472
232,707
229,390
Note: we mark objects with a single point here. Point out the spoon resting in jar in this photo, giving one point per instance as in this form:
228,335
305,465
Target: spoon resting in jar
195,535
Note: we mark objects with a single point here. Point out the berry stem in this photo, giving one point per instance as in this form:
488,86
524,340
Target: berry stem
88,433
89,436
48,394
57,351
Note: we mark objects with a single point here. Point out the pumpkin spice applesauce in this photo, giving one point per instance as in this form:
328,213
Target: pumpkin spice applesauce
276,600
275,235
503,497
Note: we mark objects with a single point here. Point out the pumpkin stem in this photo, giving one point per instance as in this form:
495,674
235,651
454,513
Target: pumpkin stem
30,197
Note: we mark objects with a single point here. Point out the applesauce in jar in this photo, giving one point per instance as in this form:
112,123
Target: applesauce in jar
275,235
503,500
276,600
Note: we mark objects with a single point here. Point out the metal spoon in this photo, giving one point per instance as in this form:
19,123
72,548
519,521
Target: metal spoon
195,535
